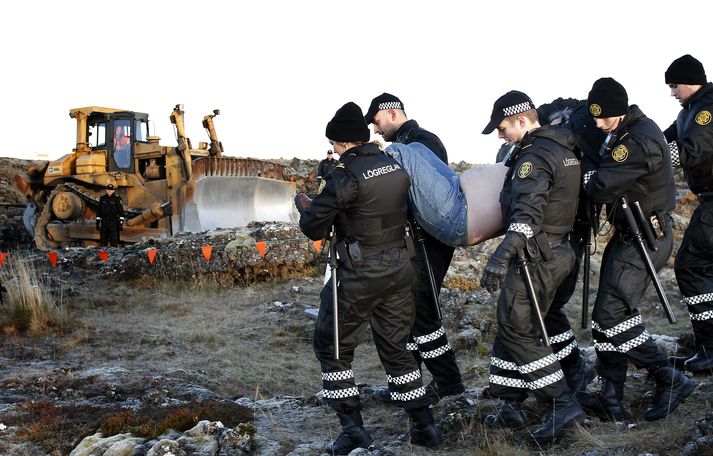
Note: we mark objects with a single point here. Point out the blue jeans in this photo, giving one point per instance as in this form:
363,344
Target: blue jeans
435,196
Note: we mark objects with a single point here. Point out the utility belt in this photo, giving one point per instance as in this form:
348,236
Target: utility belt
351,254
658,223
653,227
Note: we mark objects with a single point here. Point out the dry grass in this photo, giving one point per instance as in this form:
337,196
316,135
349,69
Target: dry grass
233,340
31,306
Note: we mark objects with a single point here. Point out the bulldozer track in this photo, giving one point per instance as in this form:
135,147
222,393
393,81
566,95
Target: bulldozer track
42,240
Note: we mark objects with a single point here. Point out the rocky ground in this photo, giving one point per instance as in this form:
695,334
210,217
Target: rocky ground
187,356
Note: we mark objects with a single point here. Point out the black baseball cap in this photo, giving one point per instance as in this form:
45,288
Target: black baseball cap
511,103
110,187
383,101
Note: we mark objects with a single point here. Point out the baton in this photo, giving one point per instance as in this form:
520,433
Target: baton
431,280
647,259
522,261
646,230
333,274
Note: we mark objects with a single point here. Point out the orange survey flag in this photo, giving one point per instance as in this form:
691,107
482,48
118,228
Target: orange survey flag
207,250
317,245
2,258
104,255
152,255
53,258
261,247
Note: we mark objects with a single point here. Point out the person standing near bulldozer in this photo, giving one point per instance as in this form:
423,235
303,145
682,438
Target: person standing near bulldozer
326,166
110,217
365,200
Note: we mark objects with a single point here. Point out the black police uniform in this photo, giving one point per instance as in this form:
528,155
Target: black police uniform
366,196
325,167
691,146
429,342
110,213
538,201
636,165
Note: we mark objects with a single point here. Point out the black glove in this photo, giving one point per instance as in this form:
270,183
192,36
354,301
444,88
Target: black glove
99,223
497,267
302,201
121,223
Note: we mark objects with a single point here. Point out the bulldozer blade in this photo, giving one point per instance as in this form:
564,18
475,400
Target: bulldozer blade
230,201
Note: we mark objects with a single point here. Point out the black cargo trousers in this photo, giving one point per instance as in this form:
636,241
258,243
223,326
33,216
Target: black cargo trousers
617,328
109,232
429,342
559,329
375,292
694,273
520,363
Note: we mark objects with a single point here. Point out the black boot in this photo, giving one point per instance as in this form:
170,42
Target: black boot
566,412
353,434
672,388
608,404
423,430
700,363
509,415
578,375
438,390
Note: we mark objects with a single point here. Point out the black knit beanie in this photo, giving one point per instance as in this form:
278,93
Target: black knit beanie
607,98
686,70
348,125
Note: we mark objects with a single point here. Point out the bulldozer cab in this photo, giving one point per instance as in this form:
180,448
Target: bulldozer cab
117,133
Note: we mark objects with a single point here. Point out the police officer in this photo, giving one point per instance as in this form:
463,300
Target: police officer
366,198
538,201
110,217
573,115
691,144
429,342
326,166
635,164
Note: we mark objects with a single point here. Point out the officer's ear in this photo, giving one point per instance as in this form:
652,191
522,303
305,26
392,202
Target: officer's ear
522,121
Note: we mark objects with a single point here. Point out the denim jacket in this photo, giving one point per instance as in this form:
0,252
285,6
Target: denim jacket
435,196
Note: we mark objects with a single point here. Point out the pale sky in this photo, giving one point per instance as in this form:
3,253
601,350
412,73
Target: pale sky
278,70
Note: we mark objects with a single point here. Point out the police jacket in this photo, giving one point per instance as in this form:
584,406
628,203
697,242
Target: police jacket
542,185
691,140
365,196
410,132
326,166
110,208
638,165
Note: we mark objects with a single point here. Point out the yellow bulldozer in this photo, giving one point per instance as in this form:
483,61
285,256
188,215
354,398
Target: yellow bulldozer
164,189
